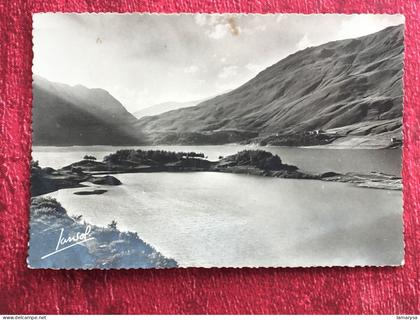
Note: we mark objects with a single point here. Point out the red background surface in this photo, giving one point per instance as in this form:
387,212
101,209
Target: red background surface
303,291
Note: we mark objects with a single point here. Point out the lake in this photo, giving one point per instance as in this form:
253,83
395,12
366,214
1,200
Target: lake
309,159
220,219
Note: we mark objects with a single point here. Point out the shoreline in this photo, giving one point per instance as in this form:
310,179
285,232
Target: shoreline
46,180
47,214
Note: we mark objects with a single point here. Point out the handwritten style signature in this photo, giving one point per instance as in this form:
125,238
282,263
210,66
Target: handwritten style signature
65,243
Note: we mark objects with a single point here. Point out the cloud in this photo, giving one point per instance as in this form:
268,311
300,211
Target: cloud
200,19
253,67
254,29
191,69
279,18
304,42
218,31
181,49
228,72
366,24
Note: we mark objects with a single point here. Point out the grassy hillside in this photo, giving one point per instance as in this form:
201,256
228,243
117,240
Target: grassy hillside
108,248
350,87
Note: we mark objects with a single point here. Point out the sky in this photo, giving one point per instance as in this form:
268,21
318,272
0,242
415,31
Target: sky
146,59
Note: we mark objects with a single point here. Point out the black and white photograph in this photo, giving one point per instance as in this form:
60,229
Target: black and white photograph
216,140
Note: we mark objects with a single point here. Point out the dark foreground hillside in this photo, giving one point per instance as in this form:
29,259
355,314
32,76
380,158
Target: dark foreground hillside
108,248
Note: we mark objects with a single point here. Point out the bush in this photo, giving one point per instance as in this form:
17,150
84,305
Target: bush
113,225
87,157
34,164
47,205
148,157
258,158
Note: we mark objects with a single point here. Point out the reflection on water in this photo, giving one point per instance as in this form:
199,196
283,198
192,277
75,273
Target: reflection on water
317,160
219,219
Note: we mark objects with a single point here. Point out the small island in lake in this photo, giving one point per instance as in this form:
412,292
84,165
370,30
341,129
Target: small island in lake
253,162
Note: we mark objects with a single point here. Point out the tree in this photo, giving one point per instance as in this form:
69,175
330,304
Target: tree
34,164
77,218
113,225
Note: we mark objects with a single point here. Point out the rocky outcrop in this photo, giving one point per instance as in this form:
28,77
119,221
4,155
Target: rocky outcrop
105,180
46,180
91,192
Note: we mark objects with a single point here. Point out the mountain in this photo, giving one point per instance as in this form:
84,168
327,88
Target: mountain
347,89
76,115
164,107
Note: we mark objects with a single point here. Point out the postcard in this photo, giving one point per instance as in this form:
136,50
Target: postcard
216,140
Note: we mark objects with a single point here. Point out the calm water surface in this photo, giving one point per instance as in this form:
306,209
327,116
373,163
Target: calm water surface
221,219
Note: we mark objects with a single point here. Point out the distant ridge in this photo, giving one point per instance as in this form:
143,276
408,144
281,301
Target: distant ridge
164,107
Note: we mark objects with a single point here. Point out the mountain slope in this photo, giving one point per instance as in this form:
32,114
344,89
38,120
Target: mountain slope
339,84
76,115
